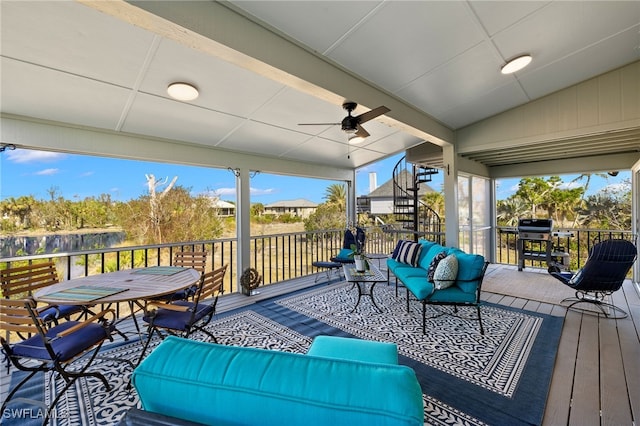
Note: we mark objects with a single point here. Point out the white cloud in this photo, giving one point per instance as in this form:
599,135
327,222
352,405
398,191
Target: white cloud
231,192
28,156
85,174
257,191
47,172
616,187
571,185
224,191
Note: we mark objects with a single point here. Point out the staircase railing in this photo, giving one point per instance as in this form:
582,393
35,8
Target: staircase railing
410,212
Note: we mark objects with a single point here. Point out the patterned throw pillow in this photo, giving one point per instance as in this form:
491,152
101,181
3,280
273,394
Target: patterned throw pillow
446,272
409,253
396,250
434,264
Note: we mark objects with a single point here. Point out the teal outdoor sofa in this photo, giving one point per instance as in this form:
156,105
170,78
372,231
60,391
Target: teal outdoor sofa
411,267
340,381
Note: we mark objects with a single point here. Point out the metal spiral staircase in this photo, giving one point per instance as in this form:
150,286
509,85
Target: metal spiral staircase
410,212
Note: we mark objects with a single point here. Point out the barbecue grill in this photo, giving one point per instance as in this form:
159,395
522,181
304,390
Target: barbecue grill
534,241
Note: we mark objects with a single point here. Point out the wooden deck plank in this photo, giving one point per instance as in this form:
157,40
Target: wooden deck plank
585,401
558,401
629,334
614,401
575,392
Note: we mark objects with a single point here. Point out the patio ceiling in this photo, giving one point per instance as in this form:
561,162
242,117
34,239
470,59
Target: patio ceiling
262,67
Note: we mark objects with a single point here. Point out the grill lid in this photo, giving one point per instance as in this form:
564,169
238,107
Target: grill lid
535,225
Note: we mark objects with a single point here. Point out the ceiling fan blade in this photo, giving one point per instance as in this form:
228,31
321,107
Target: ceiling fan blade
366,116
318,124
361,132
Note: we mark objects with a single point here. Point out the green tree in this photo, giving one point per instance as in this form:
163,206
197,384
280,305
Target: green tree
178,216
326,216
257,209
337,194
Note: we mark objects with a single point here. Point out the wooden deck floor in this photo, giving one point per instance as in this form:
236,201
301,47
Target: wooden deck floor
596,379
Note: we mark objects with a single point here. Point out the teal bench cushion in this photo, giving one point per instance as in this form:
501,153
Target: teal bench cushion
227,385
354,349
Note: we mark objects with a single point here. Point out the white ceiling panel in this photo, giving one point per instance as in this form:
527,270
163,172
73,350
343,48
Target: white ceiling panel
577,24
580,65
317,24
461,80
159,117
62,36
223,86
500,15
262,139
416,37
326,151
53,95
309,109
500,99
107,65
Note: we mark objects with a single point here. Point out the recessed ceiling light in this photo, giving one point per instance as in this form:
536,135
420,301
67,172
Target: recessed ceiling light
182,91
516,64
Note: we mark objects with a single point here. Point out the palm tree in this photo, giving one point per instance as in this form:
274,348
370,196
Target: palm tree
336,194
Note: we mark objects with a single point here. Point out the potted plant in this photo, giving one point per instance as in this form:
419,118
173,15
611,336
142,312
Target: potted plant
358,257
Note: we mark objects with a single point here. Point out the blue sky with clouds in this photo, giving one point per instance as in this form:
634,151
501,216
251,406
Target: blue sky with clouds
27,172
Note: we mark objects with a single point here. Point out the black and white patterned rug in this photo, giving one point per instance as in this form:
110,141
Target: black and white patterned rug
467,379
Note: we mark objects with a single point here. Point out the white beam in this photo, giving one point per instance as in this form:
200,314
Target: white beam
50,136
600,163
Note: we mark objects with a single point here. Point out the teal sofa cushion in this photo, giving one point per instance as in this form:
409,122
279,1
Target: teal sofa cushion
431,253
418,285
470,267
227,385
426,245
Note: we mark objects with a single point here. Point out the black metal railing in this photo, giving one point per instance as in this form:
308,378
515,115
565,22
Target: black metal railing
576,244
287,256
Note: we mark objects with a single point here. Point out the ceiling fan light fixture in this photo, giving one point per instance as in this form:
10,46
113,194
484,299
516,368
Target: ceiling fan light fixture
354,139
182,91
516,64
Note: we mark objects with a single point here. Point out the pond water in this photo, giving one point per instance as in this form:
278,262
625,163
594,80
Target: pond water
57,243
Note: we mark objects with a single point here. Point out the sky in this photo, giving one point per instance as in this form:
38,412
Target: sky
75,177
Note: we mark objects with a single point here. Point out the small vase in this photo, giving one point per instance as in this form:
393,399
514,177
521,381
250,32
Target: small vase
360,265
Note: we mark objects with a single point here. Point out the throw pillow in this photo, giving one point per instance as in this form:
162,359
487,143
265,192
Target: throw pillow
446,272
409,253
396,250
344,256
434,264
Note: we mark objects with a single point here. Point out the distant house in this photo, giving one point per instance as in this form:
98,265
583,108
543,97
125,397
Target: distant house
224,208
300,208
380,200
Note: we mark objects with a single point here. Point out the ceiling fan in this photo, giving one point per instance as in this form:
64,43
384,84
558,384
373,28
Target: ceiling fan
351,124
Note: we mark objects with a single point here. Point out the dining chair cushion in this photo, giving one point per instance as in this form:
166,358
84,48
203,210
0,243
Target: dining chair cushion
183,294
66,347
175,320
59,311
345,255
